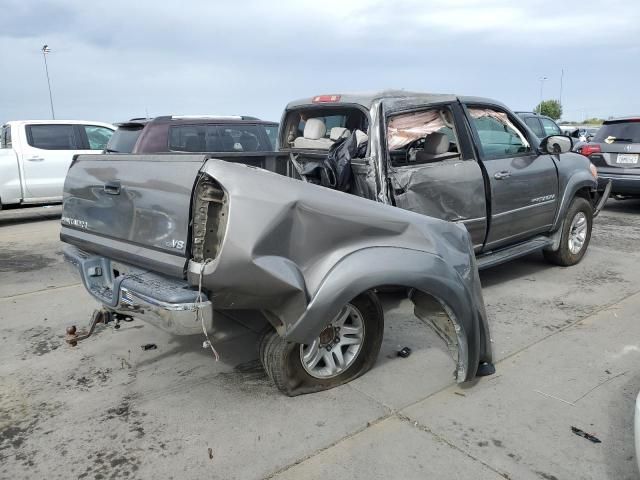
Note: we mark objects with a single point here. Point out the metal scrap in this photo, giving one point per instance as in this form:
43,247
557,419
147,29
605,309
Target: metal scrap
583,434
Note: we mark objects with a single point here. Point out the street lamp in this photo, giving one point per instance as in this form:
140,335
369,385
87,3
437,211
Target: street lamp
45,49
542,79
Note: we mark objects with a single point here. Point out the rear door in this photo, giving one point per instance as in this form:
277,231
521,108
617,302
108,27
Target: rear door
46,154
443,181
524,184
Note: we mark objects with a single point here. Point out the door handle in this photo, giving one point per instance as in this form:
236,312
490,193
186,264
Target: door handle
112,188
502,175
35,159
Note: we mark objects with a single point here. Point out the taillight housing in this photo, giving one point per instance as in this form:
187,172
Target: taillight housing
589,149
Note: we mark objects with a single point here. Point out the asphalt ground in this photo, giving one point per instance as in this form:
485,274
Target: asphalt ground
566,341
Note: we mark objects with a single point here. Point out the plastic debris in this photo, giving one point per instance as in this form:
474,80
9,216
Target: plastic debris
583,434
404,352
210,453
149,346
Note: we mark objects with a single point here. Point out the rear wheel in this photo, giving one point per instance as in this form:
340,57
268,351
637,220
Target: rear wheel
576,234
345,349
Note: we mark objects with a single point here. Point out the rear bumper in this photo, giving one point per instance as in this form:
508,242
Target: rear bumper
168,303
622,184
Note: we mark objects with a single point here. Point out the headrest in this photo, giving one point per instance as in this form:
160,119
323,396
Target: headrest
361,137
338,132
436,143
314,129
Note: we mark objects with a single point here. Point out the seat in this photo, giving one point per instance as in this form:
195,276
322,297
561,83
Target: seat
313,136
361,137
228,143
249,142
338,132
436,147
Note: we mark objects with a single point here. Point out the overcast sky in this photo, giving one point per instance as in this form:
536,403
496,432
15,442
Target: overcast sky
113,60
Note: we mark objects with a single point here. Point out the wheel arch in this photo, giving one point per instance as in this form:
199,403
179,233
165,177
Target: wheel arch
580,184
425,273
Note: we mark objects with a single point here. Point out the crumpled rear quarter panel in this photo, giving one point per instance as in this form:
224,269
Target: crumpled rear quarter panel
299,251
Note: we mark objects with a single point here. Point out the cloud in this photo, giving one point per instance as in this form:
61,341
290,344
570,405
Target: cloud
111,60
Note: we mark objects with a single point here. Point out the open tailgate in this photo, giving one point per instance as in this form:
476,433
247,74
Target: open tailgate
132,208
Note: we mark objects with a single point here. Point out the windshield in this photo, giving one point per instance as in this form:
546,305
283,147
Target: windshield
628,132
124,139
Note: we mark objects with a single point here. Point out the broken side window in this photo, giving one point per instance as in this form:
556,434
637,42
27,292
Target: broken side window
422,137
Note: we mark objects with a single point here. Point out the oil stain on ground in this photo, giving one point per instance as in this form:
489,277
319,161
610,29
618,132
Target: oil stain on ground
19,261
40,341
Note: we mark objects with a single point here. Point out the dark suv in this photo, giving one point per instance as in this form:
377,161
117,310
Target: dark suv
194,134
541,125
615,151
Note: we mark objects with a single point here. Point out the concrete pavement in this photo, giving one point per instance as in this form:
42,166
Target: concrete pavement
108,409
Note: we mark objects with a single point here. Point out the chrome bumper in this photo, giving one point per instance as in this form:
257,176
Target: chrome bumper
168,303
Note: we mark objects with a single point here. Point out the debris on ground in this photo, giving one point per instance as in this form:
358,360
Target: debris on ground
210,453
148,346
583,434
404,352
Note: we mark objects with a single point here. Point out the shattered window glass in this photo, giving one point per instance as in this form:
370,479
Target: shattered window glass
407,128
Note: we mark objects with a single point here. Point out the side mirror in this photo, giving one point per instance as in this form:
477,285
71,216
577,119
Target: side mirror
556,144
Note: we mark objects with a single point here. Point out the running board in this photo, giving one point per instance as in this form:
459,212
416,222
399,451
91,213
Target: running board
496,257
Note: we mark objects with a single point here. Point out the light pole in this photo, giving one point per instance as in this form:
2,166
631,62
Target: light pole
45,50
561,78
542,79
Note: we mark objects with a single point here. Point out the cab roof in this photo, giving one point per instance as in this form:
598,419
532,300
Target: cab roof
394,99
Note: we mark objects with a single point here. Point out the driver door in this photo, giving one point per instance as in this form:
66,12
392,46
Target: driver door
524,184
432,169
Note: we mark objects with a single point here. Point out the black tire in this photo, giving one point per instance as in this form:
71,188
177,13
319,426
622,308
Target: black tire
282,359
564,256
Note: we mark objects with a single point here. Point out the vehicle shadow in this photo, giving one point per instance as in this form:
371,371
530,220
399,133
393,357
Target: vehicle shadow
623,206
15,216
521,267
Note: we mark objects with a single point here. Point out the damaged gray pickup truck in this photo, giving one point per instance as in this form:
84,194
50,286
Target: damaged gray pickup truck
367,191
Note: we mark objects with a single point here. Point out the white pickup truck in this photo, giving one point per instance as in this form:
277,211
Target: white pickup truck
35,156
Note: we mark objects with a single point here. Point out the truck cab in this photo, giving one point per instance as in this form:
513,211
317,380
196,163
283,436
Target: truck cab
461,159
35,156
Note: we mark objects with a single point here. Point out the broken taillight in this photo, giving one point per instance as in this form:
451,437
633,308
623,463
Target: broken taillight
326,98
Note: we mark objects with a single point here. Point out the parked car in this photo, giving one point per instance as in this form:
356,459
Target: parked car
541,125
35,156
406,205
194,134
580,134
615,151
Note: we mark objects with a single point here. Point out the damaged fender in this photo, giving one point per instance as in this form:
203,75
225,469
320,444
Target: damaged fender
298,252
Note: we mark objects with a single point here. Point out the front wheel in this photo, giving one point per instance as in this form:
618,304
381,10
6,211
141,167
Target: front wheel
576,234
345,349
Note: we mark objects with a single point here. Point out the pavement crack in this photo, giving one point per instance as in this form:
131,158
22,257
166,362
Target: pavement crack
42,290
443,440
331,445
